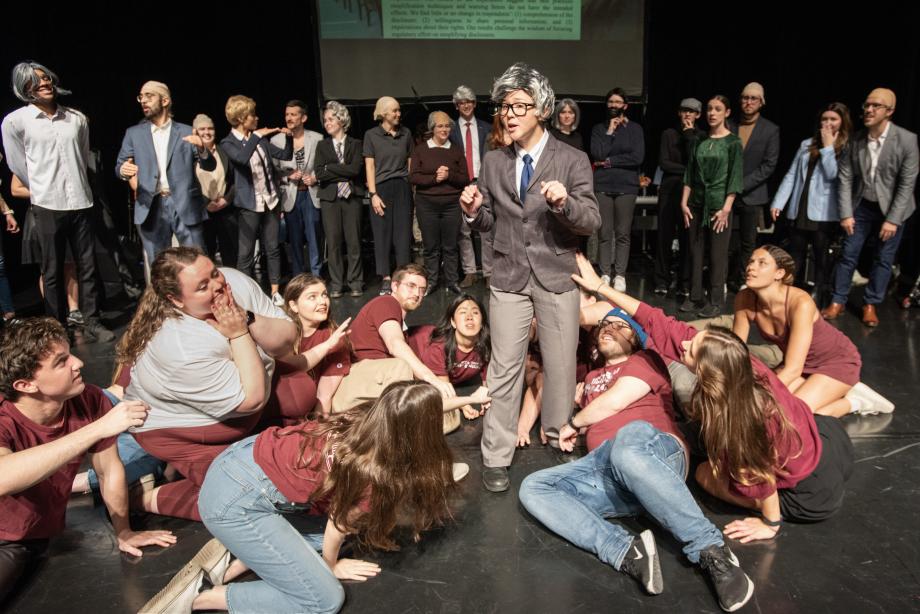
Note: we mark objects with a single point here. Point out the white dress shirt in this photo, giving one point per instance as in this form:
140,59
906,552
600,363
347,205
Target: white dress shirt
875,148
160,136
49,155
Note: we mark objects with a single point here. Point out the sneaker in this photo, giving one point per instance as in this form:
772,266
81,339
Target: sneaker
356,293
460,471
866,402
642,563
277,299
605,279
733,587
661,289
859,280
688,306
75,318
709,311
385,287
95,330
619,283
177,597
336,294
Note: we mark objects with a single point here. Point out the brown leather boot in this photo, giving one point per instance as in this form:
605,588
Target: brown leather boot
832,311
468,280
869,317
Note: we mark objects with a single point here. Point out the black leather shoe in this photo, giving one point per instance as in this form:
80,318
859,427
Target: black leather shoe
495,479
454,289
432,288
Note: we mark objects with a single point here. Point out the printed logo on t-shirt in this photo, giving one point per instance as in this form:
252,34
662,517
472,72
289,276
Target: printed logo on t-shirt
601,382
474,365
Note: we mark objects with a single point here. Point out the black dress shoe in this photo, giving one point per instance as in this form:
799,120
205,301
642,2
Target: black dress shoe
336,294
432,288
454,289
495,479
689,305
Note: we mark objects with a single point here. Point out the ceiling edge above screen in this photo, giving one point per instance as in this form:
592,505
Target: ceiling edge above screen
363,69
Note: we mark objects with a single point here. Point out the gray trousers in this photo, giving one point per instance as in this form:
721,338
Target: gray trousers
467,253
616,232
557,328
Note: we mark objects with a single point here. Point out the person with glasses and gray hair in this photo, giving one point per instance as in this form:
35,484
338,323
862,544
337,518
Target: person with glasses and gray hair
338,167
537,197
47,149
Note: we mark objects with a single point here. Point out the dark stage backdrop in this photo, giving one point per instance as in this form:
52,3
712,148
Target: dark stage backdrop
804,55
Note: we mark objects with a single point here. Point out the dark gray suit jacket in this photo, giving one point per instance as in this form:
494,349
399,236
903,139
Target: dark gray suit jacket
895,175
760,158
533,237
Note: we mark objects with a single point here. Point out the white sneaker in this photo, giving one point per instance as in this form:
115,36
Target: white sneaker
619,283
859,280
605,279
177,597
278,300
867,402
460,471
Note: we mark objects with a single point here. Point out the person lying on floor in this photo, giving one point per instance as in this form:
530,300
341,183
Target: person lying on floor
201,343
49,418
637,464
362,469
820,364
766,450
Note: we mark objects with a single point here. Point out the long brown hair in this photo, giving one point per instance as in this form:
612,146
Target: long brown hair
155,307
843,135
394,450
734,408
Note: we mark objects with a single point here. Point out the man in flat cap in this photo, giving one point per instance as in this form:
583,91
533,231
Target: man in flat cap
162,154
875,197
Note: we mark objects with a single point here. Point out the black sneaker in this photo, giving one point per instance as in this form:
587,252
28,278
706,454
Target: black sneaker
661,289
642,563
385,288
95,330
688,305
75,318
733,587
709,311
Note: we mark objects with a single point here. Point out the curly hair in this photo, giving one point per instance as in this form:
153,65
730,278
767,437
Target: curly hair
155,306
391,452
23,346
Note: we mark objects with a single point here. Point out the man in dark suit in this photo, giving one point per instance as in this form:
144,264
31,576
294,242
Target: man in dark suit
537,199
469,133
760,139
162,154
875,196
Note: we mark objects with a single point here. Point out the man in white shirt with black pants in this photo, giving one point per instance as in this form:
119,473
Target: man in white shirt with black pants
47,148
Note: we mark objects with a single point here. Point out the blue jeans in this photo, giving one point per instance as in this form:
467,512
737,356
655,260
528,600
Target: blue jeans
136,460
641,470
869,220
304,226
238,506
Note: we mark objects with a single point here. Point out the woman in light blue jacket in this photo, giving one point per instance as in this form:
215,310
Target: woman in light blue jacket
810,191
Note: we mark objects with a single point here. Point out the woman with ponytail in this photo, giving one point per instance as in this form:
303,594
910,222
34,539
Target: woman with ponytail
202,356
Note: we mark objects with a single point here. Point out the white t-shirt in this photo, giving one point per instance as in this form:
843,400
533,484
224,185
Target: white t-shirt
186,374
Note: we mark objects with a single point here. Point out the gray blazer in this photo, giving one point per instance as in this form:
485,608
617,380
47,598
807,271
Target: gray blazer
895,175
760,158
533,237
286,167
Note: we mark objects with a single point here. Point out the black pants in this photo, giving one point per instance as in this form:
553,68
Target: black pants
747,215
717,257
392,230
222,233
16,560
342,225
54,230
616,231
820,240
439,221
671,226
263,226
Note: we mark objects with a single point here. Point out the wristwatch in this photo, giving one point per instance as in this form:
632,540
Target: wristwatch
371,194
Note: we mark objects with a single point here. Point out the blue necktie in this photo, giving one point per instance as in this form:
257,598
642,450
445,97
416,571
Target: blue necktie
526,174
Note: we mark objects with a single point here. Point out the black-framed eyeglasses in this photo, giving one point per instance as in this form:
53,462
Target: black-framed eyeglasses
518,108
146,96
617,324
872,106
413,287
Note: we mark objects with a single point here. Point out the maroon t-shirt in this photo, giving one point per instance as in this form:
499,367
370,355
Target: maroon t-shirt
336,362
366,341
466,364
797,459
656,407
277,453
38,512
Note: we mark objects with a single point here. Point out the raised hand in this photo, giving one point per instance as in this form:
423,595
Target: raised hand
471,200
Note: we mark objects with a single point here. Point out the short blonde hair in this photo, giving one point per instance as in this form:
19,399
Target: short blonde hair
237,108
383,103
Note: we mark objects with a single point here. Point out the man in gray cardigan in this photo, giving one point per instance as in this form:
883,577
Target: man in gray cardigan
875,195
537,198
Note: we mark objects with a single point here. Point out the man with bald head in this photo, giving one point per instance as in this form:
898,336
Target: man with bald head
875,197
160,155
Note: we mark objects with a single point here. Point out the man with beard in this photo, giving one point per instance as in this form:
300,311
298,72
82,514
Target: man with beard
162,155
47,149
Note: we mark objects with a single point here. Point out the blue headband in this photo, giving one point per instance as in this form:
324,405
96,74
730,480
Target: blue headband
640,332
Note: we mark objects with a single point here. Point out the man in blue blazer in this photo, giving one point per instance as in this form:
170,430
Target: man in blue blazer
158,158
469,133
